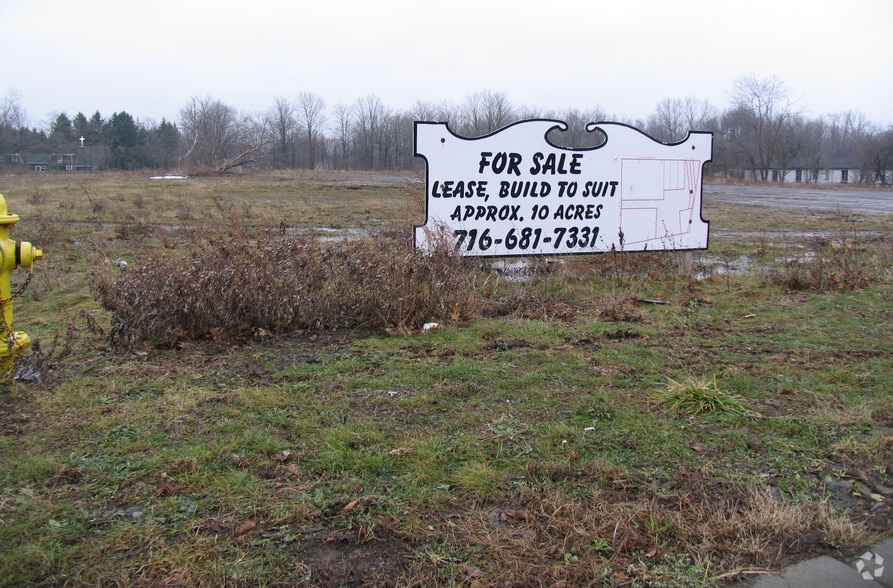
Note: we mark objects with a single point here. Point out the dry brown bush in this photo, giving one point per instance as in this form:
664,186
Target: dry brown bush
233,284
839,263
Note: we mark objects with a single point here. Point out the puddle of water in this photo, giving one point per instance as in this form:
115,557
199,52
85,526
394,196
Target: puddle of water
714,265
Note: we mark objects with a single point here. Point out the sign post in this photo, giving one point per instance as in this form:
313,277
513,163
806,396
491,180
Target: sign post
513,193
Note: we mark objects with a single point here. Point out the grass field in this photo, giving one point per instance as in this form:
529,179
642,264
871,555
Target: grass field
560,430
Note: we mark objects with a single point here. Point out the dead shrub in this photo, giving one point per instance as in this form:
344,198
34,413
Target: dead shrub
41,366
231,285
627,269
841,263
36,198
550,288
98,205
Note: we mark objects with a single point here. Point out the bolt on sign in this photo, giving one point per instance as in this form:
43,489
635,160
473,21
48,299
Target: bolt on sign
513,193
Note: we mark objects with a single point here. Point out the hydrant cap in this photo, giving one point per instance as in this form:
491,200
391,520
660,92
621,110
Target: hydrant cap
5,217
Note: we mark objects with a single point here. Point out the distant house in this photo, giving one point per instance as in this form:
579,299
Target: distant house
12,159
50,162
38,161
840,169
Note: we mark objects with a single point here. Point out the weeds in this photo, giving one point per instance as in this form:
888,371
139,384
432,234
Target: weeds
631,271
837,263
40,367
97,204
36,198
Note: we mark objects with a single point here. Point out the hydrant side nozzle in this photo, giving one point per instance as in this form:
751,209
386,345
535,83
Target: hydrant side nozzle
27,254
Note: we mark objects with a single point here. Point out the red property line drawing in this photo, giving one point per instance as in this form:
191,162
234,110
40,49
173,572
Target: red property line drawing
666,205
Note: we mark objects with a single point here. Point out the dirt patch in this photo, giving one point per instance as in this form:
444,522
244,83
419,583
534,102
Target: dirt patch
18,414
505,345
621,335
339,560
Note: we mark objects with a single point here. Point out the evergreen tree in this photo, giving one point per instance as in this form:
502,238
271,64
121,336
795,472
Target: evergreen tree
124,138
164,142
62,134
93,133
80,124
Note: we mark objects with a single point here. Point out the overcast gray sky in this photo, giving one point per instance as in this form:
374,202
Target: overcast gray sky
149,58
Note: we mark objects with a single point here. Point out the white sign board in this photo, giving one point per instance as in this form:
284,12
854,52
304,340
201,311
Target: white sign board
513,193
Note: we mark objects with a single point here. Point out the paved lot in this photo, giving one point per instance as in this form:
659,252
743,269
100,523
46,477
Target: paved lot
869,570
866,201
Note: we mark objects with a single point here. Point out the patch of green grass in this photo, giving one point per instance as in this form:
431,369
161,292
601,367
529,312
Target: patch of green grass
475,478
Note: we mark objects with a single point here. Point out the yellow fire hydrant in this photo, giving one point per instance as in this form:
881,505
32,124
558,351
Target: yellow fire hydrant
12,255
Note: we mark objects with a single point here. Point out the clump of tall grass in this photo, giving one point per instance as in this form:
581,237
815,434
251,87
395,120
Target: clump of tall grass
693,395
234,284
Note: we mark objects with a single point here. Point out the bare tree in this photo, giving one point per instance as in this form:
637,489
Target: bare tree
762,113
12,115
369,114
397,141
845,130
283,125
527,112
311,115
851,134
498,110
212,126
472,122
673,118
342,129
790,144
442,112
485,112
13,119
814,139
577,136
253,133
877,153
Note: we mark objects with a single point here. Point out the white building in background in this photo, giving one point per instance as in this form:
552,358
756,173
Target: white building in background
840,169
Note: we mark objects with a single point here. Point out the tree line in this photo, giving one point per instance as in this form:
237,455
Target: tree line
761,132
